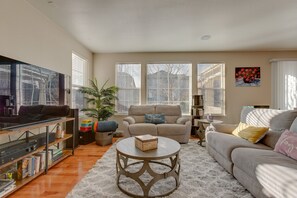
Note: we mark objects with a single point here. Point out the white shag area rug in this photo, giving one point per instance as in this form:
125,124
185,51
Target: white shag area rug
201,177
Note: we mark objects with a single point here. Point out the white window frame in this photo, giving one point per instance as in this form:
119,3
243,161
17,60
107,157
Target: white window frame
84,73
223,89
190,80
116,82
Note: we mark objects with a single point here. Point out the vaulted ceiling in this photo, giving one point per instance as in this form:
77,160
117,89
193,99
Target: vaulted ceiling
176,25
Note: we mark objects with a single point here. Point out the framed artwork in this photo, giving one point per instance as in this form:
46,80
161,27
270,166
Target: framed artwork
247,76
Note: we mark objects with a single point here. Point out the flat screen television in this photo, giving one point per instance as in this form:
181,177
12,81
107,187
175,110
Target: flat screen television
26,84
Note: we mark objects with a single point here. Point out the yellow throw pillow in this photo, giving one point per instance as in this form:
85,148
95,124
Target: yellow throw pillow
239,128
251,133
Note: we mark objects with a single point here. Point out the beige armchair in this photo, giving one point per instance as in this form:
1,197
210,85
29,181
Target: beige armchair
176,126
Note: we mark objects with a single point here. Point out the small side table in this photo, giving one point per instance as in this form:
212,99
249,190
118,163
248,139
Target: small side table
201,128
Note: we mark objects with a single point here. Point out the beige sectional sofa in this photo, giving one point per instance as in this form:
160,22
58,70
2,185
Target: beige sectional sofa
262,171
175,127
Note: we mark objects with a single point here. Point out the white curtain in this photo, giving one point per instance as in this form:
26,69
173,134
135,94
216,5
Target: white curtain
284,84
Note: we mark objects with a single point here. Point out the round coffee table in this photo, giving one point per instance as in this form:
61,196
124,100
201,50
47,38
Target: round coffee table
167,149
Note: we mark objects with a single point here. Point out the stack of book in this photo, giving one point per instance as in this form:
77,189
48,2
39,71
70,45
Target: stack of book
56,154
6,186
32,165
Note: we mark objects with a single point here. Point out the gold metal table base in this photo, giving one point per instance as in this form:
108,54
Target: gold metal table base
122,169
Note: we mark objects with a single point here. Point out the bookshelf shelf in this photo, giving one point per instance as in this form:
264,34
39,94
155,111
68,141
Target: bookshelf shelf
23,182
33,126
66,137
66,152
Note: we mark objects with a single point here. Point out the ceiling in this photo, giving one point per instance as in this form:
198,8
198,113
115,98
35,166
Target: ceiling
176,25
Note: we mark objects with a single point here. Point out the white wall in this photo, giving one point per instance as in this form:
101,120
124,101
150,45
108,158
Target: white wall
28,36
236,97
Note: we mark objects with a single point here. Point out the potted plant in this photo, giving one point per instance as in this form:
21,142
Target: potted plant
101,103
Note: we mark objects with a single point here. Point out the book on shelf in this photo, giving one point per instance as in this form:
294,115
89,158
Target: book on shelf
6,186
4,183
31,166
42,160
23,168
37,163
56,153
50,157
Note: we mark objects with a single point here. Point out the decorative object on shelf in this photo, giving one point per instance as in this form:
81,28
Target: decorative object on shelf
146,142
59,131
209,117
247,76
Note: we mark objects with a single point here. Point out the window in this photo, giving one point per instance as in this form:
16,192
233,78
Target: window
211,84
169,84
128,79
79,68
5,79
284,80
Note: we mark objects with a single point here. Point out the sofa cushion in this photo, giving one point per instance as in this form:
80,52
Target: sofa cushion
294,126
129,119
251,133
271,137
182,120
169,110
143,128
287,144
140,110
171,129
138,119
275,172
154,118
257,116
171,119
225,143
283,120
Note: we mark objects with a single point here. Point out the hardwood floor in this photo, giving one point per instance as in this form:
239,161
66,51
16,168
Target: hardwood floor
62,177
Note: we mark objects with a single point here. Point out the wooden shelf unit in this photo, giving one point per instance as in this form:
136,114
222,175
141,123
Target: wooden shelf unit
66,152
66,137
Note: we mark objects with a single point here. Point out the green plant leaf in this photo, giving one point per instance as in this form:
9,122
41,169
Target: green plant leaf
102,98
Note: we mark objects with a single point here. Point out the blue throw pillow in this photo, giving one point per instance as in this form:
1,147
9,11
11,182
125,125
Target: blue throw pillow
154,118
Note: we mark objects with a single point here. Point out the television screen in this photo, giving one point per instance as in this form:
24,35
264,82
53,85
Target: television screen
24,84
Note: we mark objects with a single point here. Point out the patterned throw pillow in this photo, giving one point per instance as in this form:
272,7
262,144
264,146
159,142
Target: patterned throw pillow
251,133
287,144
154,118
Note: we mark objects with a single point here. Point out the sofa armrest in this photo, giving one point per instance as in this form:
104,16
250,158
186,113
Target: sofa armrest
129,119
224,128
182,120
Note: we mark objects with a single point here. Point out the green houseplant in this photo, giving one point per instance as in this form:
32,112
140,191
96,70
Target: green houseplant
102,100
102,103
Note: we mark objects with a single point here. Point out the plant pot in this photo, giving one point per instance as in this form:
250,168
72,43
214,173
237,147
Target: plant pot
103,138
